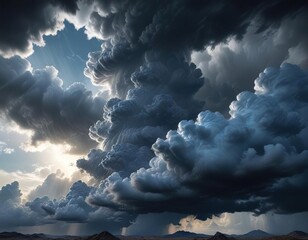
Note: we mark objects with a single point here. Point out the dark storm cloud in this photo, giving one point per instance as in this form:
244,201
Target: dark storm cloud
131,28
204,167
215,165
23,23
13,213
231,67
185,24
72,208
161,97
36,101
208,166
92,164
153,224
159,36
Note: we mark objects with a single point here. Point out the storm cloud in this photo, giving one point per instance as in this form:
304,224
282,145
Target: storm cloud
13,212
161,93
69,209
263,137
232,66
24,23
160,148
36,101
73,208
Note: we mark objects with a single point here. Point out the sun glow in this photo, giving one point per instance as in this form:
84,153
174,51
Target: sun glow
229,223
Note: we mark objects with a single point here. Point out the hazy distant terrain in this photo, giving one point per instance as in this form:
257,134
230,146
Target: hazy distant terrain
180,235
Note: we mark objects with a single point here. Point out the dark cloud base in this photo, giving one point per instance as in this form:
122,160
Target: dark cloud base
23,23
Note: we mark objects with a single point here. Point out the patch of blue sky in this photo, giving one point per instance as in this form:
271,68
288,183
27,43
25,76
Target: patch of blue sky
67,52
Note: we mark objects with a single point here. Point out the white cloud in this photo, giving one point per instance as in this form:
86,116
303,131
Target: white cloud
4,149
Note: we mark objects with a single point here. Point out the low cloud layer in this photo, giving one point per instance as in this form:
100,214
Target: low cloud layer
12,212
72,208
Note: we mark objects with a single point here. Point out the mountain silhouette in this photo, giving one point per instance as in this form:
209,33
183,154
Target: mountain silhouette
298,234
103,236
256,234
181,234
220,236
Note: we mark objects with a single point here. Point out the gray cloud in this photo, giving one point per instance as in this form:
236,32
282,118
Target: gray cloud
150,100
13,213
231,67
158,24
203,167
54,186
152,224
262,138
72,208
92,164
36,101
130,28
24,23
156,104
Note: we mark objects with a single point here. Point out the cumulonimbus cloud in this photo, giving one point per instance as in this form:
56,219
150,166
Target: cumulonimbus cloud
151,159
224,165
151,43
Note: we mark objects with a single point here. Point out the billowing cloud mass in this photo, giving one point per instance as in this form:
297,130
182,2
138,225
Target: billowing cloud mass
162,88
191,173
245,58
12,212
36,101
131,125
161,148
55,186
71,208
24,23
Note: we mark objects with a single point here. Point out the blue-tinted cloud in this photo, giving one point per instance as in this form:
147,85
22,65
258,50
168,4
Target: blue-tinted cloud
149,158
13,213
217,163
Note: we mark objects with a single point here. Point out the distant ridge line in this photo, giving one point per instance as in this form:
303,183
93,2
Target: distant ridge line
252,235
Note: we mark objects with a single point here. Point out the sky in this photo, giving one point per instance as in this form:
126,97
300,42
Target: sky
150,117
